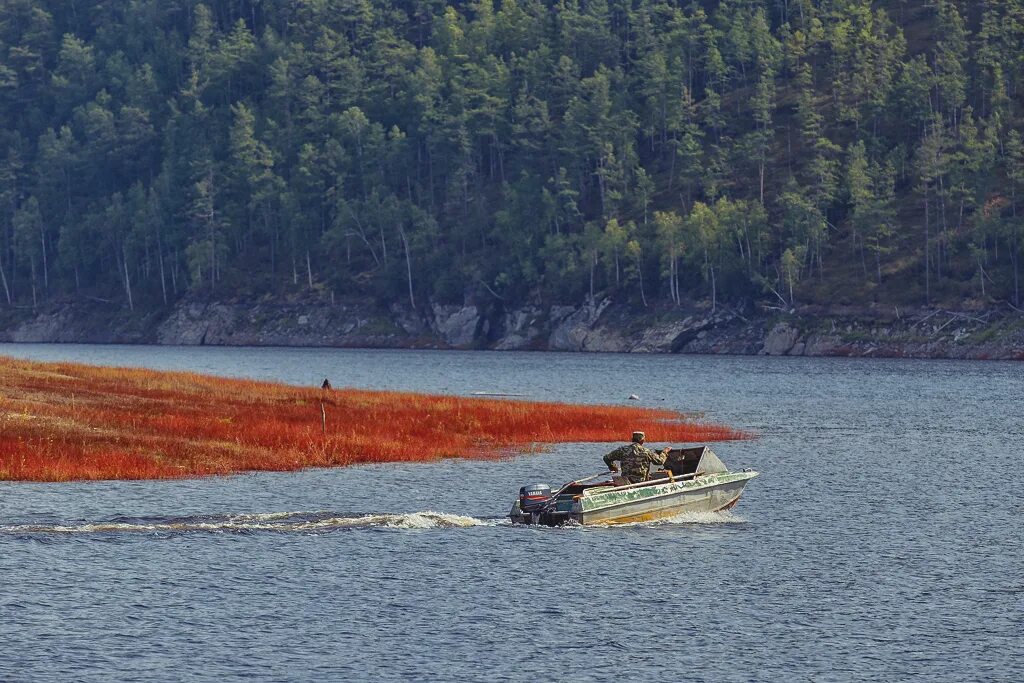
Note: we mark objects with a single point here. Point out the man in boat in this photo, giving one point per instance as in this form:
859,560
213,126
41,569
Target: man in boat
636,459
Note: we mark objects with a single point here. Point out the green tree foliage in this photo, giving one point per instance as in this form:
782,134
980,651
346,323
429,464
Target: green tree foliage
511,149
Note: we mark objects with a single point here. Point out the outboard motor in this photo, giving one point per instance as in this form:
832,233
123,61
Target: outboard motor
532,498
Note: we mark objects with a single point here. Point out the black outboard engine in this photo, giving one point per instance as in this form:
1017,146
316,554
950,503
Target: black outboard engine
534,497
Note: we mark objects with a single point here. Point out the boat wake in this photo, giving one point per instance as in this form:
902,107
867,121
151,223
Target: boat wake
684,519
720,517
302,522
312,523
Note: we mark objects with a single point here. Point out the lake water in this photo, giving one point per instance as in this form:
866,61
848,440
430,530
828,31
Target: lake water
882,541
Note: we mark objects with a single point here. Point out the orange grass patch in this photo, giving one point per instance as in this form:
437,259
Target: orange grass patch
64,421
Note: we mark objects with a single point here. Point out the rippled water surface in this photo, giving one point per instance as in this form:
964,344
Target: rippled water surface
882,541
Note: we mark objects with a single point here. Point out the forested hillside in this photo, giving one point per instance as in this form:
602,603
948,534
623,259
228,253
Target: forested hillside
518,150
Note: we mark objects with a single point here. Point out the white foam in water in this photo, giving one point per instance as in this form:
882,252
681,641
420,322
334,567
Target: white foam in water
273,516
274,521
323,521
412,520
720,517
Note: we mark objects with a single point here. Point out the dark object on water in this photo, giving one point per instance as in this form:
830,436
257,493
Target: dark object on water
326,384
694,480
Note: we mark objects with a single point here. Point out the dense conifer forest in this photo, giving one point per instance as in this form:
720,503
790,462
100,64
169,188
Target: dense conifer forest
796,151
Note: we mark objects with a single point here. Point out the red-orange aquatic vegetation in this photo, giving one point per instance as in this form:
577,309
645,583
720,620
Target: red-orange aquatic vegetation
64,421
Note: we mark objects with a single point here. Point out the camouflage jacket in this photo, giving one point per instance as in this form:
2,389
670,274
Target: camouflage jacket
636,460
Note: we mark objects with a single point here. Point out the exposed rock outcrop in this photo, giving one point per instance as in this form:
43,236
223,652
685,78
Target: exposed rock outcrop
595,326
456,325
782,340
522,328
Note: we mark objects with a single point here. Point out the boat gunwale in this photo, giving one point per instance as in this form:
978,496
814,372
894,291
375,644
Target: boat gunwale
696,482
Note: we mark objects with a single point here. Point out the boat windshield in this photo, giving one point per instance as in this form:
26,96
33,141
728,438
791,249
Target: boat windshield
696,460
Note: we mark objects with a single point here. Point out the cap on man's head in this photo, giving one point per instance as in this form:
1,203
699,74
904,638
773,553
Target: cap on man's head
638,437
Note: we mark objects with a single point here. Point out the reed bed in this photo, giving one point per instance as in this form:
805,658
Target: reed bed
65,421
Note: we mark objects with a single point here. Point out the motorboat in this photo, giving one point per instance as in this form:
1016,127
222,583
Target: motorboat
694,480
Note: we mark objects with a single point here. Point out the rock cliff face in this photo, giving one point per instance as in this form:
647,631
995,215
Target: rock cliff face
595,326
264,324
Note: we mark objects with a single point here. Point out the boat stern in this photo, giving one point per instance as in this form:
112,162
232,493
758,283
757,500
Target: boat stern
556,511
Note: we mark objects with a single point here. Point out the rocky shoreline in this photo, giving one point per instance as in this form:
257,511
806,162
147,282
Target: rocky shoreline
604,326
